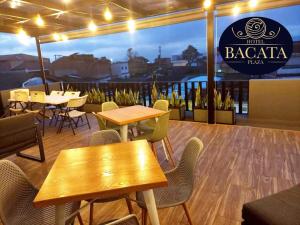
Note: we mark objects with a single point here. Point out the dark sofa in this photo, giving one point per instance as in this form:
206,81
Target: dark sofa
18,133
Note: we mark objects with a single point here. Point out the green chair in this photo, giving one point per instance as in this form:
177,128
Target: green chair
160,133
148,125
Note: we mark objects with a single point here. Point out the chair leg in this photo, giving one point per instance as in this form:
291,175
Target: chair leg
169,151
88,122
129,206
71,124
187,213
169,143
91,214
154,149
80,219
144,216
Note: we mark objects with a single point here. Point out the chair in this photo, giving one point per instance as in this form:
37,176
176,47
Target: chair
57,93
16,200
148,125
160,133
72,112
105,137
20,97
102,123
37,97
17,133
72,94
127,220
53,108
180,182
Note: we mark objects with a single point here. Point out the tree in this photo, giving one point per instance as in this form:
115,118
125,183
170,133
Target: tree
131,54
190,54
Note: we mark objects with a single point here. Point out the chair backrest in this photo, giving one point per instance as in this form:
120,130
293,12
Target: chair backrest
105,137
21,96
57,93
77,102
37,96
187,164
109,106
101,122
161,128
72,94
15,188
161,105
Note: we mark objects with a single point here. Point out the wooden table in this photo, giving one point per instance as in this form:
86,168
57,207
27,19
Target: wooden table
127,115
49,100
102,171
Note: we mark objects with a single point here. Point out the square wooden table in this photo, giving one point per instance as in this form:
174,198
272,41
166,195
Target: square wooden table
102,171
127,115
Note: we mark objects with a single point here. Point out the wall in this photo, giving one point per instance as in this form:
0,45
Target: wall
275,101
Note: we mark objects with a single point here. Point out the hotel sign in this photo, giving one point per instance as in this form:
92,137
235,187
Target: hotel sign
256,45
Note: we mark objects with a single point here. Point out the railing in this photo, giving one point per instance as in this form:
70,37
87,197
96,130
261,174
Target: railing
239,90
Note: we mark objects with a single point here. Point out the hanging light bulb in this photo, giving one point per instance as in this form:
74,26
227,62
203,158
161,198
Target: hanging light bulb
236,10
207,4
66,1
39,21
56,37
107,14
23,37
64,37
131,25
253,3
15,3
92,26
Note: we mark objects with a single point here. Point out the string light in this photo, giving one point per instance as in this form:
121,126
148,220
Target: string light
15,3
66,1
206,4
64,37
253,3
92,26
131,25
39,21
107,14
236,10
56,37
23,37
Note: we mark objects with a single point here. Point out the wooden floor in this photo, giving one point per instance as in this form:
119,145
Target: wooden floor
239,164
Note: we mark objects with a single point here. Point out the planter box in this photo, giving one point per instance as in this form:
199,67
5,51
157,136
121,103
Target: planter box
200,115
222,116
225,116
177,113
92,108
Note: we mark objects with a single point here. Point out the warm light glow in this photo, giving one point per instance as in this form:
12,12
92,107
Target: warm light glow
66,1
23,37
107,14
56,36
207,4
131,25
15,3
236,10
92,26
64,37
253,3
39,21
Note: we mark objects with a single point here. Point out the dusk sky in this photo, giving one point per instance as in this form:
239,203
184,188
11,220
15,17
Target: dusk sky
173,39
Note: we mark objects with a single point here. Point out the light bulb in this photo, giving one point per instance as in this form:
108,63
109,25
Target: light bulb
56,36
131,25
206,4
39,21
92,26
253,3
236,10
64,37
107,14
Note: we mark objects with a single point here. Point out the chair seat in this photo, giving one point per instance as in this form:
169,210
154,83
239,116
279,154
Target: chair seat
74,114
15,110
282,208
146,125
177,192
33,111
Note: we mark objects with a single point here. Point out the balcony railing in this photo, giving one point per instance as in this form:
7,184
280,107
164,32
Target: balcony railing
239,90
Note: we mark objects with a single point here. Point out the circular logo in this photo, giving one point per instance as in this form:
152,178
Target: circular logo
256,45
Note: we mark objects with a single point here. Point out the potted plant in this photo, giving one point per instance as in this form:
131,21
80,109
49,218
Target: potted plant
176,105
200,110
94,100
225,112
123,98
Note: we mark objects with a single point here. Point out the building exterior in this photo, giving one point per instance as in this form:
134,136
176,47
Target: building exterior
138,65
82,66
292,68
21,63
120,70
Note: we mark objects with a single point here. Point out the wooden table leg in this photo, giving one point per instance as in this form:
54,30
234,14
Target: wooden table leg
60,215
151,206
44,115
124,132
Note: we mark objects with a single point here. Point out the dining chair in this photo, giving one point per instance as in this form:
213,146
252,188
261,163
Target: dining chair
57,93
160,133
21,98
16,200
105,137
127,220
102,123
72,94
73,112
53,108
180,182
36,97
148,125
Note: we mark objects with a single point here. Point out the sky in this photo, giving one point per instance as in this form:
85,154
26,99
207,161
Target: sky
173,39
